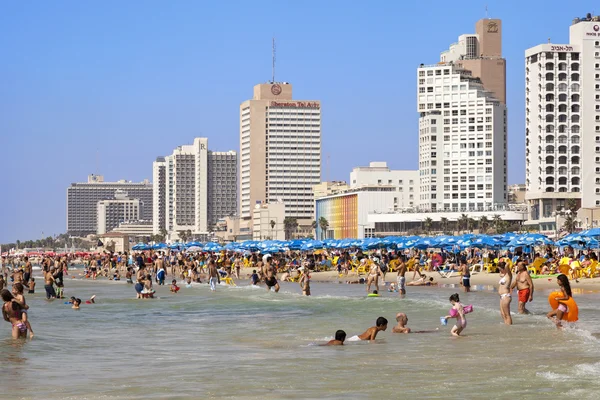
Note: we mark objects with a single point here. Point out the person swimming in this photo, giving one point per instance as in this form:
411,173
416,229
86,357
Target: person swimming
340,337
371,333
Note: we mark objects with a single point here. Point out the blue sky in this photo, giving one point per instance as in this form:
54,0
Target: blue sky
105,87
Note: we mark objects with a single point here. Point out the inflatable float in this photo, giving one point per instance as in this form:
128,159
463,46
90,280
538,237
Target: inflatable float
572,314
372,295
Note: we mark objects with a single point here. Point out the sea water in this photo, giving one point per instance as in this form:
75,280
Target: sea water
247,343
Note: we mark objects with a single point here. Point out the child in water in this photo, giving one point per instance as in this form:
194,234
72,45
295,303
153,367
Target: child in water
31,286
457,311
340,336
174,287
371,333
76,303
254,278
565,287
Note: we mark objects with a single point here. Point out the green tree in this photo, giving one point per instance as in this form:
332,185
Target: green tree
570,223
471,223
272,223
463,222
323,224
289,226
484,224
427,224
571,205
444,224
497,220
183,236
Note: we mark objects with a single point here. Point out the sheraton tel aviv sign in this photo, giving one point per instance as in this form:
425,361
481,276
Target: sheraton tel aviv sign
295,104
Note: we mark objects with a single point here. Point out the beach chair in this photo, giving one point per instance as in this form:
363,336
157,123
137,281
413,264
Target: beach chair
564,269
591,270
490,268
446,273
410,265
535,268
228,281
476,268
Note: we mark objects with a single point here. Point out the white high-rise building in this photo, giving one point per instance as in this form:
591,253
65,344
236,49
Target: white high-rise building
159,196
193,188
185,189
110,213
563,123
280,147
83,198
462,125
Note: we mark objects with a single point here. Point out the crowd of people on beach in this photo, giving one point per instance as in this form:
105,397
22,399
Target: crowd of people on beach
144,269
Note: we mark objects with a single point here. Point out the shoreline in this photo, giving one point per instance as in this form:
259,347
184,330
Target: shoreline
483,278
587,285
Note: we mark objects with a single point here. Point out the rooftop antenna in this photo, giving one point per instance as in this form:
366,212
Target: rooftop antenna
273,56
486,12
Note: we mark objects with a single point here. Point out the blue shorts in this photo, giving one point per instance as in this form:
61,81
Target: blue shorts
139,287
466,281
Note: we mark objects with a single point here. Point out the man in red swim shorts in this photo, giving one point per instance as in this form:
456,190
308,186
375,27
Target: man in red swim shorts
524,285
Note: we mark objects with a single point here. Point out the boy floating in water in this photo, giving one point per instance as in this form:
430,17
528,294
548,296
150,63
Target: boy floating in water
340,336
371,333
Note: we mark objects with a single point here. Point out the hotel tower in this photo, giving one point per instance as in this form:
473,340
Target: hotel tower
280,147
462,124
562,124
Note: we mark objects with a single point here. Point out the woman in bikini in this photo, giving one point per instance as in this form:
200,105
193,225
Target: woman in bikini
504,292
373,277
304,281
13,313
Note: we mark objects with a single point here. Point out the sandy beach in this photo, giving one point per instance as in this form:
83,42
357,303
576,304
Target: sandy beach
592,285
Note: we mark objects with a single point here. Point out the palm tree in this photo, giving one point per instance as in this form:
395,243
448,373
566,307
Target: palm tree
571,205
323,224
289,226
570,223
427,224
272,223
471,223
444,224
484,224
463,222
497,220
163,233
183,236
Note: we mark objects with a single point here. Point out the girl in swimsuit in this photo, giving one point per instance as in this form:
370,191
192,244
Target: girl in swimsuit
504,291
457,312
13,313
565,287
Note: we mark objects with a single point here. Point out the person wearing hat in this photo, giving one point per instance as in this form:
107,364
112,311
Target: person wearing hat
304,281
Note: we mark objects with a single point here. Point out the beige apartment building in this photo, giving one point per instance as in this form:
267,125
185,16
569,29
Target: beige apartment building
280,150
481,54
